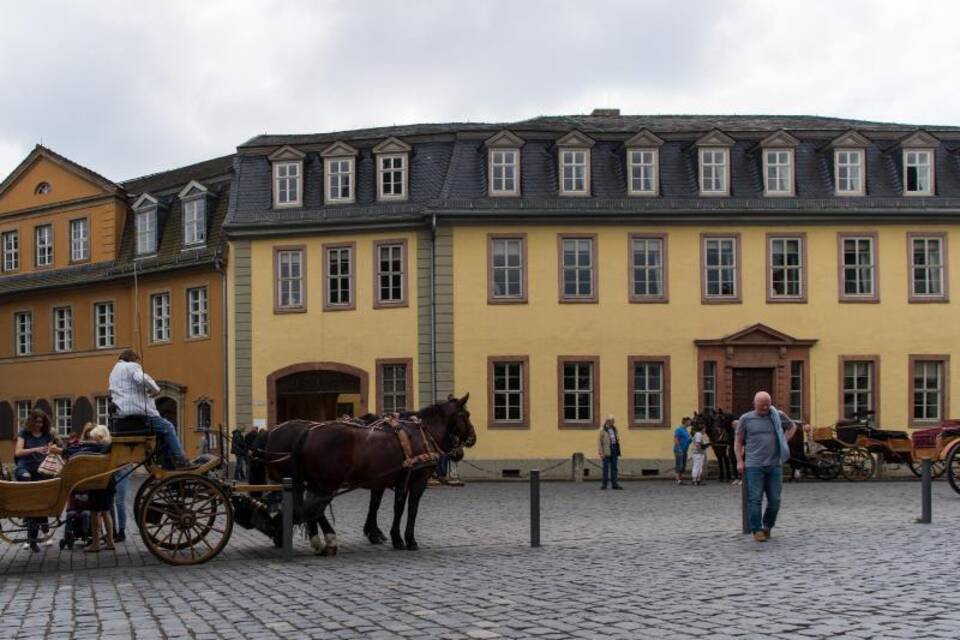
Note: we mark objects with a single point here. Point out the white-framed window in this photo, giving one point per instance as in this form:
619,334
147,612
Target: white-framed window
197,313
508,392
859,267
927,267
505,172
848,172
11,250
778,172
648,391
146,227
578,271
393,387
44,245
339,277
642,165
390,274
646,263
340,180
290,279
102,409
79,240
392,169
858,388
709,384
204,415
195,221
720,267
574,172
918,172
786,267
287,184
578,392
63,329
506,269
796,389
928,390
23,332
23,413
104,332
714,173
160,317
63,412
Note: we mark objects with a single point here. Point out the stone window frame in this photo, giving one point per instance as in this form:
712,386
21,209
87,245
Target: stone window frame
594,296
95,323
72,336
944,361
71,400
86,241
28,312
844,297
404,300
737,298
286,156
391,148
151,296
36,246
188,334
524,422
524,290
663,297
408,377
504,142
804,268
944,296
352,278
875,384
279,308
594,423
664,362
702,373
17,253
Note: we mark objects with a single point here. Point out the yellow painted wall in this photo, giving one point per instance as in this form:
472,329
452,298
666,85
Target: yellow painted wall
65,185
354,337
614,328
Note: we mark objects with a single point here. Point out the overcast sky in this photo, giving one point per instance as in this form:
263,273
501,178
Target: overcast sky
129,88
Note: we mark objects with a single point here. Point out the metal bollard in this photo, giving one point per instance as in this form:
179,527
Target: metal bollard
287,514
535,508
744,504
578,464
926,492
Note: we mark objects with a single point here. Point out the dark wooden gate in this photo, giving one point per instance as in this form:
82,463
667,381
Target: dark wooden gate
746,383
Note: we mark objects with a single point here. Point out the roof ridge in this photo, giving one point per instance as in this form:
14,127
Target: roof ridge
180,168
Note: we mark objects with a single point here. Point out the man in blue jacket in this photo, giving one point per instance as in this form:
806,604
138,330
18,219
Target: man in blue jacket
761,448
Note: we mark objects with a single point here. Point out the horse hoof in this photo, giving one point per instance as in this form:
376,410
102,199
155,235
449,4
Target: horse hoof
413,546
398,545
327,552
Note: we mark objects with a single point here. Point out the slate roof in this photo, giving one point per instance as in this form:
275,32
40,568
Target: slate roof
165,186
448,171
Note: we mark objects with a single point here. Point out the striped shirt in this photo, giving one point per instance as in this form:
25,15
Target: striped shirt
130,388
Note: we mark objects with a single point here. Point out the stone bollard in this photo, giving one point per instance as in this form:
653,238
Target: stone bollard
926,492
287,518
535,508
578,463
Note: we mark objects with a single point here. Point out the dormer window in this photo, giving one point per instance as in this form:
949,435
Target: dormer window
392,180
287,177
778,172
503,164
145,224
194,199
714,155
574,156
849,172
340,173
918,172
643,164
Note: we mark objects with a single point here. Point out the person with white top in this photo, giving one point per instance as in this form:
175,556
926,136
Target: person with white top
699,455
132,391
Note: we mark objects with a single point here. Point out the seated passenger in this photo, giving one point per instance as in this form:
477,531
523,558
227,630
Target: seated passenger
34,442
132,392
96,439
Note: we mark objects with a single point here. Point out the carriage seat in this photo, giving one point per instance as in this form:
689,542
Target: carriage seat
885,434
130,426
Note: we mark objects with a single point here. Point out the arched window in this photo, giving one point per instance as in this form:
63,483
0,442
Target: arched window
42,189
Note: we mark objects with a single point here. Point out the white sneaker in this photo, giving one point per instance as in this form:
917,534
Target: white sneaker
26,546
48,542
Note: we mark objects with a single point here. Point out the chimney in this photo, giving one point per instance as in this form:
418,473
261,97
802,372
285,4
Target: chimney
606,113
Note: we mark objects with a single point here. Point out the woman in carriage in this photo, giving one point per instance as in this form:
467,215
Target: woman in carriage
34,443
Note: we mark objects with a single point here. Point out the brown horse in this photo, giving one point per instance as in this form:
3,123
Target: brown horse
329,457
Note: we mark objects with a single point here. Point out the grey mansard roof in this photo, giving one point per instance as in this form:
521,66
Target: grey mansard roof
448,173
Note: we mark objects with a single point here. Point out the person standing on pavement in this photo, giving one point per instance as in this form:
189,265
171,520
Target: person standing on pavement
699,455
609,449
761,447
238,448
681,442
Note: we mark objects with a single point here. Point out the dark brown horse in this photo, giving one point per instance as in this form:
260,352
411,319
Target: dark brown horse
719,429
329,457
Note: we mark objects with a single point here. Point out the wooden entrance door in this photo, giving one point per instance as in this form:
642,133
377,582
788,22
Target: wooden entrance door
746,383
312,406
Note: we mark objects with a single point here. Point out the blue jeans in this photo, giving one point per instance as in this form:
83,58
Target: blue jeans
240,470
120,499
610,466
763,480
168,437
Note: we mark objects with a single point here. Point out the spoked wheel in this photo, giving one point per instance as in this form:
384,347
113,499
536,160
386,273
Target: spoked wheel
953,469
827,466
857,464
185,519
937,468
14,530
148,483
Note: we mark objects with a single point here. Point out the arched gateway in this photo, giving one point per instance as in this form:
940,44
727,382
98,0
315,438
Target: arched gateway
315,391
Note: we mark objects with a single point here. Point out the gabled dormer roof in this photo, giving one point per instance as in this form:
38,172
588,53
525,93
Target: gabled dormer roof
779,139
39,152
194,188
919,139
392,145
850,139
145,201
715,138
338,149
576,139
286,152
644,138
504,139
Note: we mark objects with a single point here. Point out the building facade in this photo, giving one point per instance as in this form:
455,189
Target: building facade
89,267
563,269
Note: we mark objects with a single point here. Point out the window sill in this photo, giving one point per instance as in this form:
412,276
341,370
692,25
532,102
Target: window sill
593,300
507,300
508,426
337,307
286,310
579,425
928,299
160,343
718,300
400,304
865,300
786,299
649,300
197,338
648,425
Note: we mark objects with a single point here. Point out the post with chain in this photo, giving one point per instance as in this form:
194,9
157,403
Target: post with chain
744,504
287,515
926,492
535,508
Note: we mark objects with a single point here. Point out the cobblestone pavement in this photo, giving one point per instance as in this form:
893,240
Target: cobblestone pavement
652,561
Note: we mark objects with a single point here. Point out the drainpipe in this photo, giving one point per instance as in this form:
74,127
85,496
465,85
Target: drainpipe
224,340
433,308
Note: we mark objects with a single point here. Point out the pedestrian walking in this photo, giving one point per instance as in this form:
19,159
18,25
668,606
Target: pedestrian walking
609,449
761,448
681,443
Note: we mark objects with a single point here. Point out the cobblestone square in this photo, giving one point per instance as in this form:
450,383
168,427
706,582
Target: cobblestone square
652,561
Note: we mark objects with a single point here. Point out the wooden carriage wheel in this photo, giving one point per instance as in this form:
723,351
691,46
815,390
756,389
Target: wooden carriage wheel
857,464
937,467
148,482
185,519
14,530
953,469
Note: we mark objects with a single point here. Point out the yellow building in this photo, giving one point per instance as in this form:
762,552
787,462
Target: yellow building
563,269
